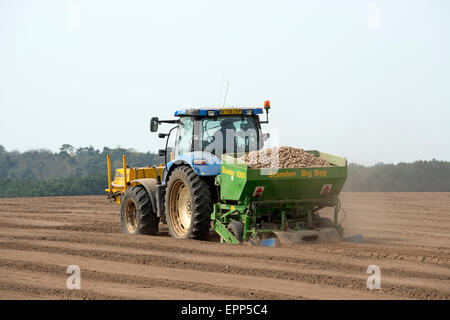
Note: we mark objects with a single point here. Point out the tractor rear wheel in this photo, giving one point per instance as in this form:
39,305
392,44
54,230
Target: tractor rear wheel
188,205
136,212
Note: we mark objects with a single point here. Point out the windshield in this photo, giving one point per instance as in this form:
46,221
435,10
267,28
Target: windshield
229,134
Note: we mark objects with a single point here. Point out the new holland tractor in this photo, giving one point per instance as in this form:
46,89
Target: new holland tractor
203,184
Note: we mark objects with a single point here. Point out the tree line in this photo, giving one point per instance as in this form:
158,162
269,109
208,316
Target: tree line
82,171
418,176
68,162
71,171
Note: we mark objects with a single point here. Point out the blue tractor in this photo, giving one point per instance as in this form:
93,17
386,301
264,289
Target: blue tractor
182,192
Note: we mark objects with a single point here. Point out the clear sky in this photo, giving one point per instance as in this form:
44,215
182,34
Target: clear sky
369,80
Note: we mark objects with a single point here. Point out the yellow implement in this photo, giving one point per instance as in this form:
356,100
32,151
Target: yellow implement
123,181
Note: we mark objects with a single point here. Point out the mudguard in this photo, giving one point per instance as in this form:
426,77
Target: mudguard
211,166
150,185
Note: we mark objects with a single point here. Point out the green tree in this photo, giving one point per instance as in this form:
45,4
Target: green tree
67,149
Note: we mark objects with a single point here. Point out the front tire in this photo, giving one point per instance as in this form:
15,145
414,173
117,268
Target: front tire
136,212
188,205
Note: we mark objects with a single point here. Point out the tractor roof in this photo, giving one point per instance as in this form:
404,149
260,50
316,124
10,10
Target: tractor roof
218,111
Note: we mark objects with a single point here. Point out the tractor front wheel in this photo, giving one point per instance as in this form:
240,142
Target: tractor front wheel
136,212
188,205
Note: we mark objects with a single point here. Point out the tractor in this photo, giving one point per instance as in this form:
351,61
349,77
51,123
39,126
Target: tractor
204,185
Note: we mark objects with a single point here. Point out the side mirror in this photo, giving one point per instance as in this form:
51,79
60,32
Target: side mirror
266,136
154,124
162,152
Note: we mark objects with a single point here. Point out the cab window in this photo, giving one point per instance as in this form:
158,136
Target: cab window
184,136
229,134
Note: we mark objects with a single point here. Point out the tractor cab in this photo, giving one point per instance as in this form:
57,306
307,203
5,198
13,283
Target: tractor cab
203,135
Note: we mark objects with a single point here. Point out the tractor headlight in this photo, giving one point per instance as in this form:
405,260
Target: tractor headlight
249,112
211,113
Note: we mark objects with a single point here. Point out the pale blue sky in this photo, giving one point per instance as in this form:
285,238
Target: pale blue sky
335,85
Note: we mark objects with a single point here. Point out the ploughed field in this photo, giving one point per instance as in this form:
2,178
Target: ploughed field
406,234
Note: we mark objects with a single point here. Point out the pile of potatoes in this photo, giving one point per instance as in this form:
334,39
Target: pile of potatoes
282,157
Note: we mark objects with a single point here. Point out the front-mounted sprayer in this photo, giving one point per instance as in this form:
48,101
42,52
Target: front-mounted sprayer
120,184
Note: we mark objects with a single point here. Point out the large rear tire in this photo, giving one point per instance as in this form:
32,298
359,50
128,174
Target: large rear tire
188,205
136,212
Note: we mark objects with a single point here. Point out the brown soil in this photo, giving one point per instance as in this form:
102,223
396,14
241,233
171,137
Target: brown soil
406,234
